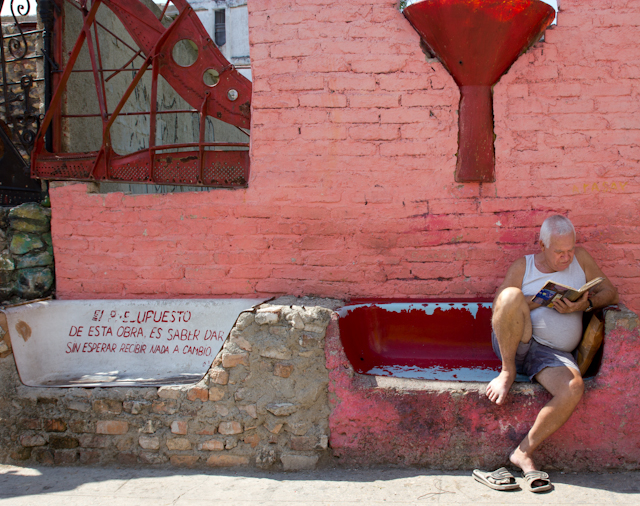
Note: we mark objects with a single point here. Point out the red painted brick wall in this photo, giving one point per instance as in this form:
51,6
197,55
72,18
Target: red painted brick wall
353,153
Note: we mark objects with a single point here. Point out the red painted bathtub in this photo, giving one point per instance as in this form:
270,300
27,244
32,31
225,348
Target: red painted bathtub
422,339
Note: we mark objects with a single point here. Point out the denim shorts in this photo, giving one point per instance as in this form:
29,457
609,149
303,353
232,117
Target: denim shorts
532,357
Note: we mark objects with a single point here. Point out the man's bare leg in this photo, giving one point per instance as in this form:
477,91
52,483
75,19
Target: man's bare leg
566,386
512,325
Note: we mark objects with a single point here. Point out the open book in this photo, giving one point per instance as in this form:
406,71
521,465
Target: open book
553,291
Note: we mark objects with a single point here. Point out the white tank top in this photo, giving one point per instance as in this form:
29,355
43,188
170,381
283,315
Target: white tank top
559,331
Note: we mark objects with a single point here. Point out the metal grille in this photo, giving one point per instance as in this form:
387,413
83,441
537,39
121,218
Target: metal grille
230,171
184,169
130,172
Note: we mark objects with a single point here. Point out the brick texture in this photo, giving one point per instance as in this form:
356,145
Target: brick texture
353,152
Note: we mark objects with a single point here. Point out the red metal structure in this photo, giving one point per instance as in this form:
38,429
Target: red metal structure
477,41
210,84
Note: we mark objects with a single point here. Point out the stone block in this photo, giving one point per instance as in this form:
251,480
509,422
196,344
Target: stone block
298,462
149,442
216,394
272,426
170,392
296,320
55,425
22,243
266,317
281,408
244,320
6,262
212,445
168,407
224,460
63,442
35,259
113,427
178,443
253,440
229,428
276,351
198,393
152,458
309,341
34,282
241,394
184,460
93,441
234,359
83,407
30,211
21,454
303,443
219,376
81,426
44,457
241,342
64,457
29,226
208,430
266,458
249,409
283,370
298,428
179,427
30,440
107,407
279,331
323,443
89,457
30,423
314,327
124,444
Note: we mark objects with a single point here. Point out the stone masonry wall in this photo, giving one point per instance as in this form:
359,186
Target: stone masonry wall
263,403
353,151
26,253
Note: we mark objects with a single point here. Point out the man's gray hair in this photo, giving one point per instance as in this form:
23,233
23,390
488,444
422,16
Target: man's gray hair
555,225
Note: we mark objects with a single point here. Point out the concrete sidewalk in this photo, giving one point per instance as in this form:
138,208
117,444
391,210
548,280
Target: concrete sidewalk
71,486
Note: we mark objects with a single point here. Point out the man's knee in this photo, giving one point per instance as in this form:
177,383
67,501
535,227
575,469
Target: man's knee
574,389
510,298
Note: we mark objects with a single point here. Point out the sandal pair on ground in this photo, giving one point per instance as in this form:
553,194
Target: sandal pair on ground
502,479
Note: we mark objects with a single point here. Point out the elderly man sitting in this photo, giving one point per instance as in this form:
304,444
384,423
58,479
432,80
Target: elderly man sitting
539,341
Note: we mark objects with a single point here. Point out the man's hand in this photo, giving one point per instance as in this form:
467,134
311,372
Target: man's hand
565,306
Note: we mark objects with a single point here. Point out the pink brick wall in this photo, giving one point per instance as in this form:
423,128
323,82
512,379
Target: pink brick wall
353,153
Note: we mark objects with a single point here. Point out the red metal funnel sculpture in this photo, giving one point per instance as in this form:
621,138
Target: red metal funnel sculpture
477,41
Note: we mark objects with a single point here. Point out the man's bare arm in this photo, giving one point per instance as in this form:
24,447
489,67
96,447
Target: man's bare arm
601,295
514,278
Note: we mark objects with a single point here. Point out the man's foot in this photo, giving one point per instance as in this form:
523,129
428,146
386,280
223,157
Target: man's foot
498,388
535,482
520,459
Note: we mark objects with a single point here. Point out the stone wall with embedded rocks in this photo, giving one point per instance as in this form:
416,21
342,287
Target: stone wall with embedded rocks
26,253
263,403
